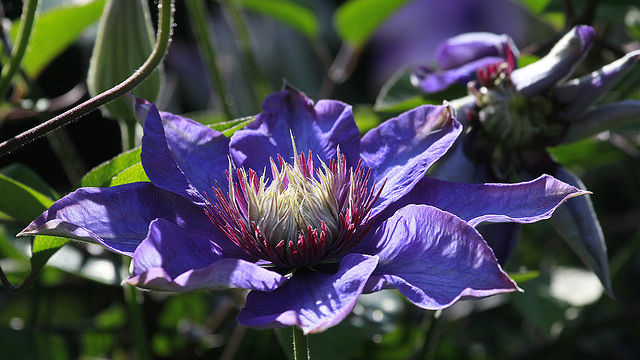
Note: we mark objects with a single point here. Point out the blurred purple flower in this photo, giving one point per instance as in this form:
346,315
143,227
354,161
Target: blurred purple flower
513,115
313,232
460,57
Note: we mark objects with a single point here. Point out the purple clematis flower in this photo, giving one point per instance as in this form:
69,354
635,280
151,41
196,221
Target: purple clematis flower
304,213
460,57
513,115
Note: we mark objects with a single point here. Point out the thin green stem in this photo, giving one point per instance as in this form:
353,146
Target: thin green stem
259,86
22,40
165,24
197,12
300,345
128,134
138,331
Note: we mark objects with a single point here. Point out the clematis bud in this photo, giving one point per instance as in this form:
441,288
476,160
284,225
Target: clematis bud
125,39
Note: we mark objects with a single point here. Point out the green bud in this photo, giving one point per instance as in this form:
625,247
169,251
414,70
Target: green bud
125,40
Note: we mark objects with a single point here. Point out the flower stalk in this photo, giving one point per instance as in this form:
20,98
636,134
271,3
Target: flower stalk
165,24
300,345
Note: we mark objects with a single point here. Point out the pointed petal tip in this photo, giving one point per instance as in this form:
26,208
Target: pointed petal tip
586,34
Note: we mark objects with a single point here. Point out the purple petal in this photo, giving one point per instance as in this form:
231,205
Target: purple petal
183,156
605,117
320,129
576,221
580,94
432,81
466,48
118,217
556,66
139,106
435,258
170,259
311,300
401,150
524,202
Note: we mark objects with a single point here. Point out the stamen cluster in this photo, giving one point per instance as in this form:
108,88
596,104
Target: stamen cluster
302,216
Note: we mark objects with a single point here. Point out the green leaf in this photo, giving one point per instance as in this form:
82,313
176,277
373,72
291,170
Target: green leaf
227,128
289,12
398,94
20,201
356,20
103,174
28,177
535,6
129,175
366,118
55,29
524,276
44,246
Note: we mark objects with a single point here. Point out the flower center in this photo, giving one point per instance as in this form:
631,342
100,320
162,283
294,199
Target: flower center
302,216
508,127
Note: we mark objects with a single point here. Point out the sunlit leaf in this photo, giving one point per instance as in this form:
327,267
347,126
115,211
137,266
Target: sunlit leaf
524,276
102,175
357,20
289,12
366,118
43,247
54,30
20,201
129,175
229,127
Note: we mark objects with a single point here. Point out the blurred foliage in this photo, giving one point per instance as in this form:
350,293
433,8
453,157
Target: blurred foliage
75,307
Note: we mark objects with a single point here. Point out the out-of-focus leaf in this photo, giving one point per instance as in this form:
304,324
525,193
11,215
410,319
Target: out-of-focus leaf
20,201
398,94
27,344
632,22
366,118
525,276
537,307
535,6
357,20
103,174
28,177
588,153
289,12
114,317
576,221
54,30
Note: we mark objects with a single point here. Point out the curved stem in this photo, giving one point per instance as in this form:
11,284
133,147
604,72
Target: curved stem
22,40
15,289
300,345
165,24
197,12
